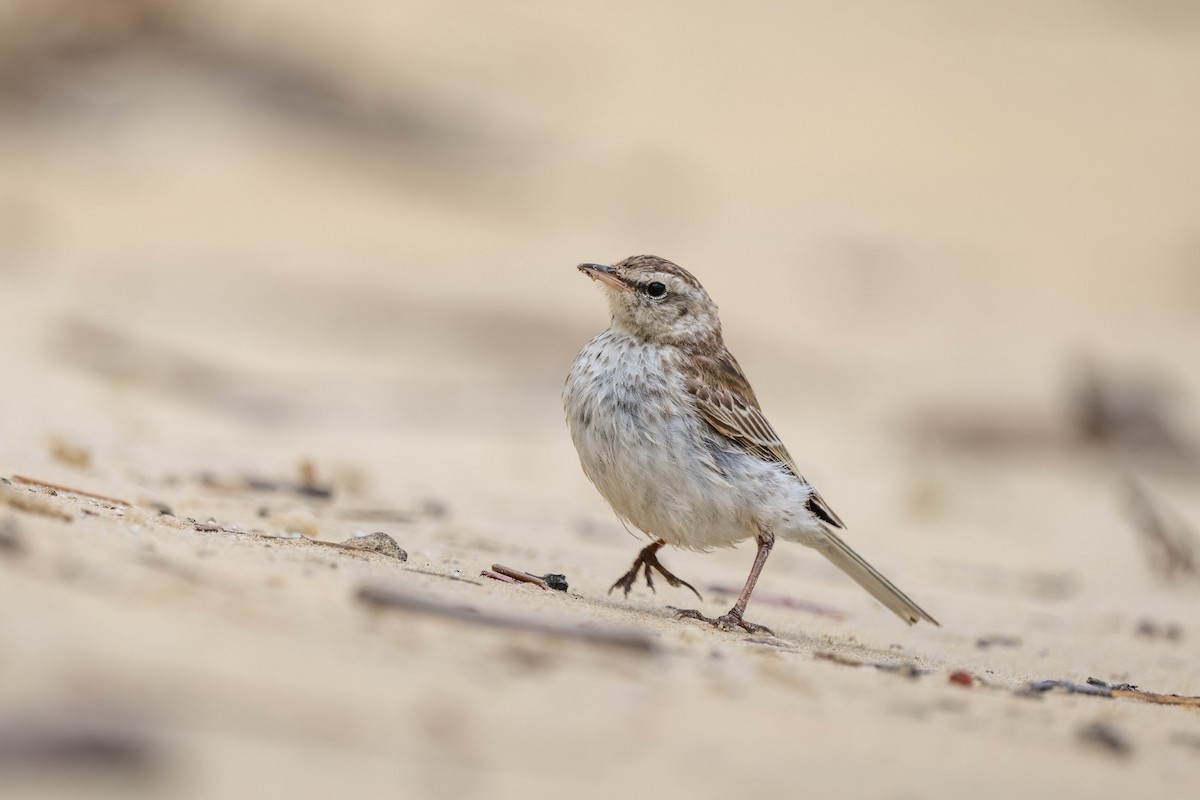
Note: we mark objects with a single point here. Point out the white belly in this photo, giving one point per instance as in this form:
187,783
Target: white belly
661,467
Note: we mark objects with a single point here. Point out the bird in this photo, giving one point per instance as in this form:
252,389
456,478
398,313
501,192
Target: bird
669,430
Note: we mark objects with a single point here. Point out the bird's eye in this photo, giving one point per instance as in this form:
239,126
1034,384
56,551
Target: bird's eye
656,289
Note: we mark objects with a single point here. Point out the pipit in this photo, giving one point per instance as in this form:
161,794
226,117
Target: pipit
670,432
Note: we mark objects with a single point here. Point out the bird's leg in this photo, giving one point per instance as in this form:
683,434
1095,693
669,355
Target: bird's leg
648,561
651,560
766,540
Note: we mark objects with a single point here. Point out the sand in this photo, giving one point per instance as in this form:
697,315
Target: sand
297,272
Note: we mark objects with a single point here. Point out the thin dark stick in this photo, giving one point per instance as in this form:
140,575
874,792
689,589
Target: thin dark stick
394,599
60,488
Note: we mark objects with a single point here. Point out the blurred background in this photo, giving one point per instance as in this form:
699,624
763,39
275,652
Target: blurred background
378,205
956,249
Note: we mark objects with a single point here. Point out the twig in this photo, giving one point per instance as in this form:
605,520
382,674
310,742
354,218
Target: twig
31,502
523,577
60,488
906,669
387,598
1069,687
1099,688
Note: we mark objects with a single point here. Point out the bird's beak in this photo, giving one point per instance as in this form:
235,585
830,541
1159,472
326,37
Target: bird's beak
604,274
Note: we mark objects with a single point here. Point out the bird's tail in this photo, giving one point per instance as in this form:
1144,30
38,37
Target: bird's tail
869,578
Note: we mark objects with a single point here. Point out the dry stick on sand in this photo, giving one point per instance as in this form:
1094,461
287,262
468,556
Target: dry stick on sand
385,598
60,488
1099,688
31,502
518,575
504,574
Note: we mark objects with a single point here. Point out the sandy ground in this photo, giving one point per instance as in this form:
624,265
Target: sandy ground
238,238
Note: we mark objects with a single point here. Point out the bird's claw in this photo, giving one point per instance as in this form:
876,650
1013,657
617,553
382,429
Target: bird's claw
626,580
647,562
726,622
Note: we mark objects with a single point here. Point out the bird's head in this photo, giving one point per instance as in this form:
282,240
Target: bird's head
657,301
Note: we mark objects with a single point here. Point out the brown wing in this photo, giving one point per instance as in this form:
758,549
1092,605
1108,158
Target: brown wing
726,401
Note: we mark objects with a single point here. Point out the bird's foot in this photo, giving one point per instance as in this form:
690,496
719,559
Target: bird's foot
726,622
649,562
626,580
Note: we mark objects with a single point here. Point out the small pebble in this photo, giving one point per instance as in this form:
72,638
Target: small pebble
962,678
556,581
162,509
377,542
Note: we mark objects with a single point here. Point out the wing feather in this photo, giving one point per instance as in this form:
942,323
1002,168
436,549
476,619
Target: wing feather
724,398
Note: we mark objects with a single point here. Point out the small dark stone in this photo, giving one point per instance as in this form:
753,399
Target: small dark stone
556,582
163,509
